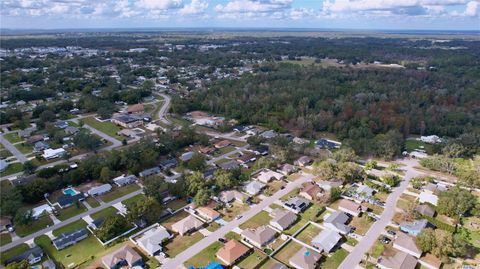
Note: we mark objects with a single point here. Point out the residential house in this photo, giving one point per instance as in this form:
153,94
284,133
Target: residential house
99,190
49,154
303,161
434,188
207,213
149,172
41,210
209,173
326,240
127,133
168,164
69,239
296,204
127,121
287,169
125,180
415,227
48,264
187,225
71,130
365,191
260,150
27,132
259,237
125,256
232,195
246,158
269,134
185,157
3,165
33,255
151,241
430,261
222,144
400,260
97,223
425,210
4,224
254,187
427,197
232,252
34,139
328,185
337,221
66,200
61,124
266,175
305,259
300,141
229,165
311,192
282,219
327,144
206,150
40,146
406,243
350,207
136,109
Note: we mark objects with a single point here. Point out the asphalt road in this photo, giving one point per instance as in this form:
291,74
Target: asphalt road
358,253
115,142
20,157
66,222
237,150
163,110
185,255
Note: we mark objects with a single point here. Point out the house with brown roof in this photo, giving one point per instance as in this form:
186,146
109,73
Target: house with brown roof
125,256
311,192
246,158
303,161
406,243
282,219
207,213
222,144
400,260
267,175
136,109
305,259
232,252
425,210
206,150
259,237
287,169
232,196
187,225
350,207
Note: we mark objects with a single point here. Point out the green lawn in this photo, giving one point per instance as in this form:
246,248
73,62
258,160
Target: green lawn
362,224
223,150
377,250
71,211
335,260
12,169
109,211
5,238
84,251
233,235
288,251
253,260
181,243
119,192
213,226
205,256
5,255
130,201
176,204
13,138
92,202
24,148
107,127
36,225
308,233
260,219
77,225
297,225
5,154
411,145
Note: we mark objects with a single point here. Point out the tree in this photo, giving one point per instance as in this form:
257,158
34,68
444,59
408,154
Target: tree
326,169
23,216
263,162
10,202
194,183
202,197
87,141
196,163
156,187
148,209
20,265
391,180
389,145
255,140
440,243
335,194
111,227
224,179
455,202
371,164
345,154
349,172
469,178
105,174
29,167
454,150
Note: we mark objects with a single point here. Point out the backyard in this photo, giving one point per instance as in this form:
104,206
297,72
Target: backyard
181,243
308,233
335,260
71,211
13,252
290,249
253,260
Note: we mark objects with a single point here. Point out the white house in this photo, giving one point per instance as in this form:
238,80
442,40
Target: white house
151,241
40,210
428,197
49,154
99,190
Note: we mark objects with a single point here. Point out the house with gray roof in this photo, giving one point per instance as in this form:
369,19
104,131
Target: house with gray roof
259,237
326,240
99,190
337,221
125,180
305,259
296,204
68,239
149,172
229,165
152,240
254,187
32,256
415,227
282,219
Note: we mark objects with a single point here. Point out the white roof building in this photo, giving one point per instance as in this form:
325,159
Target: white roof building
99,190
39,210
53,153
151,241
428,197
266,175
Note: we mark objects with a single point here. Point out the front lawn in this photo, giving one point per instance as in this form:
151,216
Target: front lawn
5,255
262,218
223,150
24,148
109,211
361,224
130,201
92,202
71,211
36,225
308,233
181,243
335,260
119,192
253,260
5,238
106,127
288,251
232,212
12,169
213,226
74,226
205,256
167,223
13,138
377,250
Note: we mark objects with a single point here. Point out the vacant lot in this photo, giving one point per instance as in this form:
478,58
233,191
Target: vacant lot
205,256
362,224
92,202
109,211
5,238
71,211
253,260
232,212
181,243
106,127
130,201
13,138
12,169
288,251
260,219
36,225
119,192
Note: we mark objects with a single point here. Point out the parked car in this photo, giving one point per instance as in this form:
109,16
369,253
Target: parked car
222,240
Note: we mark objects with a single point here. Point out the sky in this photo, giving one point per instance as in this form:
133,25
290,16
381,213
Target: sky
327,14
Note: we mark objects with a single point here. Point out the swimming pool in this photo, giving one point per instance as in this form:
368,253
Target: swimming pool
36,267
70,191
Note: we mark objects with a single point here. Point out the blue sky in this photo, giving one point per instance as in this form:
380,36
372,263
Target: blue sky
349,14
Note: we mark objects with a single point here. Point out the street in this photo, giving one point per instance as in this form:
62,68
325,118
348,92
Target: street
20,157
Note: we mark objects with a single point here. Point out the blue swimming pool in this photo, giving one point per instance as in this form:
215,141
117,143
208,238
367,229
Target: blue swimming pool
69,191
35,267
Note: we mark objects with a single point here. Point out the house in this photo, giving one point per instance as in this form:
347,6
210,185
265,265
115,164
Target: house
303,161
209,173
282,219
328,185
365,191
337,221
232,252
254,187
136,109
206,150
69,239
66,200
149,172
326,240
300,141
240,128
327,144
40,146
427,197
127,133
127,121
259,237
187,225
71,130
425,210
3,165
4,224
260,150
222,144
41,210
48,264
287,169
415,227
400,260
125,180
311,192
34,139
431,139
99,190
49,154
125,256
27,132
296,204
167,164
246,158
232,195
406,243
229,165
61,124
207,213
434,188
350,207
33,255
96,223
269,134
185,157
305,259
151,241
266,175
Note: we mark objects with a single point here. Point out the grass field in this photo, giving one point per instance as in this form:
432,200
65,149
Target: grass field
362,224
176,204
24,148
107,127
119,192
411,145
36,225
260,219
288,251
5,255
232,212
130,201
79,224
5,154
5,238
12,169
13,138
71,211
308,233
174,218
377,249
181,243
92,202
205,256
253,260
109,211
335,260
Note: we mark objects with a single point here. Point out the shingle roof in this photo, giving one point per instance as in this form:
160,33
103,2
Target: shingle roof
231,251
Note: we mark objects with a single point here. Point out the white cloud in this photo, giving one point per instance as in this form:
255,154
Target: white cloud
160,4
239,6
193,8
472,9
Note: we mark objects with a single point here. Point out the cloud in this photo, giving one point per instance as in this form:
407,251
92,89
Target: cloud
255,6
471,9
160,4
194,8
